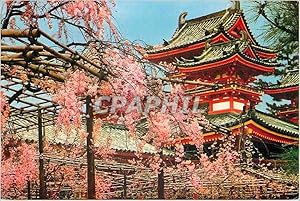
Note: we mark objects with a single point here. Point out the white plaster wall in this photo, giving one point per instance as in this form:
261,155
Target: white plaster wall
221,106
238,105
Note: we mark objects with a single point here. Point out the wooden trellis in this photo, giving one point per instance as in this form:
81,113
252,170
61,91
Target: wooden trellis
176,182
41,56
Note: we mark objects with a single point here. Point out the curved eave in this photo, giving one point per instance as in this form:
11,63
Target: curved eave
199,43
264,50
266,55
261,51
270,134
249,30
180,48
193,45
252,52
242,59
282,90
273,127
257,61
179,31
253,128
242,20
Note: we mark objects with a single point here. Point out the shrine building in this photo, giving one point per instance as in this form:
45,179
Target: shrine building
219,48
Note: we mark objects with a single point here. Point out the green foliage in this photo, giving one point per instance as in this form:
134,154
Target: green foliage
291,155
280,29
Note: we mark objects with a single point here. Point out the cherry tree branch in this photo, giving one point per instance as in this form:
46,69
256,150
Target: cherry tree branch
53,9
11,12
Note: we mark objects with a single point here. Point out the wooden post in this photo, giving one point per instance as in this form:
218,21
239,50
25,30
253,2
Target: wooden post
125,186
90,154
42,189
28,190
161,182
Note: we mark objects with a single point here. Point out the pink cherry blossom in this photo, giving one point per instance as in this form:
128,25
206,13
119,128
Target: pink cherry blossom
69,94
18,167
4,109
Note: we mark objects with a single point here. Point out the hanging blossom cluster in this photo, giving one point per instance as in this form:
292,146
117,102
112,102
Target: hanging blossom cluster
92,14
74,176
128,82
18,167
4,109
103,186
63,174
166,124
155,164
170,66
159,128
27,15
219,166
129,75
68,95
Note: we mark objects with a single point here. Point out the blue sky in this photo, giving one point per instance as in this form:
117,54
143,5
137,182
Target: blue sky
151,21
154,20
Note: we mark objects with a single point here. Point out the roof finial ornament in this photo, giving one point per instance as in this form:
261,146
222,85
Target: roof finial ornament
244,36
207,44
236,5
181,19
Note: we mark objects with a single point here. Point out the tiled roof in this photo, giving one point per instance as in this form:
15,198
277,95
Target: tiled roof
196,30
226,119
122,141
275,124
204,28
221,51
265,49
231,119
266,120
289,79
118,134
